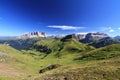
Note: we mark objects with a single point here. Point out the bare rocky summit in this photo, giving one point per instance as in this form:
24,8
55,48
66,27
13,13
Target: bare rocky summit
33,35
89,36
98,35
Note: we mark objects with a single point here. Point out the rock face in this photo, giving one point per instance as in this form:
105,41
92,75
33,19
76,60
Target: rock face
33,35
68,37
95,36
105,42
80,36
76,36
50,67
88,36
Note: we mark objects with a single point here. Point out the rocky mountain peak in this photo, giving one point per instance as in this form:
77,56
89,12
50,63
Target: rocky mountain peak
33,35
95,36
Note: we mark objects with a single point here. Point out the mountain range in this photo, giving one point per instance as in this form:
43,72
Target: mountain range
95,39
117,37
64,58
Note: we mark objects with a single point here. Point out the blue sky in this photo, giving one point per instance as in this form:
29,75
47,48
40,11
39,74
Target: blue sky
59,16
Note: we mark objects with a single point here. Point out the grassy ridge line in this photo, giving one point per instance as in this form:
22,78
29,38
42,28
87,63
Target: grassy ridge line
107,52
14,53
23,62
68,46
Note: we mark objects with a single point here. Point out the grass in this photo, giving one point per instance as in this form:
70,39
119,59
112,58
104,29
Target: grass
100,64
22,63
7,78
69,46
79,61
102,53
100,70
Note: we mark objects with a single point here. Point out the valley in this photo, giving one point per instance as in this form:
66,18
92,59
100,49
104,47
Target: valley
59,39
59,59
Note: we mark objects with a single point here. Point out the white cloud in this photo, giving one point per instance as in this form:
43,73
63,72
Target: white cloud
64,27
111,30
103,28
119,28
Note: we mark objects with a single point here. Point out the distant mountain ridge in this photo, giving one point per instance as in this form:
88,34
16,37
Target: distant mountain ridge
33,35
95,39
117,37
104,42
91,36
4,37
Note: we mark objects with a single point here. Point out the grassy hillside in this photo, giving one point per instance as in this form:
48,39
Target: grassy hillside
15,64
99,64
61,47
68,60
102,53
31,61
92,70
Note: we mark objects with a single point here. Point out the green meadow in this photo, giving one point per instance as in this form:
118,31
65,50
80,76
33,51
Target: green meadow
78,61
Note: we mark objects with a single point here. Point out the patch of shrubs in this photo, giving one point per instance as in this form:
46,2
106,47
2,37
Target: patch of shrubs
42,48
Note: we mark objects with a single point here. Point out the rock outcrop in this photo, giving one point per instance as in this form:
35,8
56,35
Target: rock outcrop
80,36
88,36
33,35
98,35
50,67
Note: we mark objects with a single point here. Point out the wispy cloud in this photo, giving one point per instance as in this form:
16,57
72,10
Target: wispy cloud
109,29
64,27
119,28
